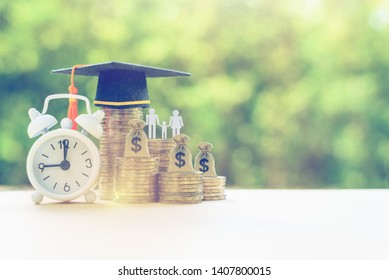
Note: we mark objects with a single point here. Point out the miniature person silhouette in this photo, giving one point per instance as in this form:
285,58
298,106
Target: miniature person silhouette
152,121
176,123
164,127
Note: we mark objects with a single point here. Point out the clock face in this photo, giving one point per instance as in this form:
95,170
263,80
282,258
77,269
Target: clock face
63,164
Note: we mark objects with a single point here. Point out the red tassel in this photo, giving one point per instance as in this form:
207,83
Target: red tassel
73,110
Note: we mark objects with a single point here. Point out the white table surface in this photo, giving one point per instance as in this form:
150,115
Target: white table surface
250,224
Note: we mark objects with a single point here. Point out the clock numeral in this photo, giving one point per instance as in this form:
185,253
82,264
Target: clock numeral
66,188
41,166
88,163
63,143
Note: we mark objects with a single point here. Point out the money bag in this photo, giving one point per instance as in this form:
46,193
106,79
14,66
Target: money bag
204,160
180,156
136,140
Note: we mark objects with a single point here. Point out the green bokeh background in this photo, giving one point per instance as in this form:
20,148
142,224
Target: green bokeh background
291,93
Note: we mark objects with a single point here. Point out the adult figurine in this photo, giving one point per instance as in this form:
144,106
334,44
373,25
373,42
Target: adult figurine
176,123
152,121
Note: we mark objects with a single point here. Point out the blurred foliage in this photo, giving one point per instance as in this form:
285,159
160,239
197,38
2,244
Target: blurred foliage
291,93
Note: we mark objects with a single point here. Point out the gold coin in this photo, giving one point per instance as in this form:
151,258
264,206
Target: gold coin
134,181
112,146
136,175
135,195
132,201
137,170
135,200
180,187
135,184
124,160
221,197
106,181
183,179
177,191
218,188
180,198
180,202
215,178
112,139
214,183
149,168
179,183
179,175
180,194
140,178
137,164
146,189
213,193
140,162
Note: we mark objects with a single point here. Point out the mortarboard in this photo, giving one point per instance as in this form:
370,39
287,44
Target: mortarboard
121,85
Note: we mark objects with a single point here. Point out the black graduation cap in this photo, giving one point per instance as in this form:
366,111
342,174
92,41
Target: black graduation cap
121,85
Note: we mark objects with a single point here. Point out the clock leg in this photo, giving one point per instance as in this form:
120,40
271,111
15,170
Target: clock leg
36,197
90,197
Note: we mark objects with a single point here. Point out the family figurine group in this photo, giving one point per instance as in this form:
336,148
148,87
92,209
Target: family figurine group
175,123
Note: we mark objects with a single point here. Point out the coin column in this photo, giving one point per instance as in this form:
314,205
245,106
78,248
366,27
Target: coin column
214,187
180,184
161,148
136,172
182,188
136,179
112,144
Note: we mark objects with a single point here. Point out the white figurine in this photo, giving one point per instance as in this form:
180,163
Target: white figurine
164,127
176,123
152,121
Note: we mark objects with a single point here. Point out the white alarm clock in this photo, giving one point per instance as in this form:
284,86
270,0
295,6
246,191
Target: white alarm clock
64,164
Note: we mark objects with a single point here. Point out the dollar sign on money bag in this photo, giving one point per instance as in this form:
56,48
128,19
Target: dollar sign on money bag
204,161
134,142
180,158
204,167
181,162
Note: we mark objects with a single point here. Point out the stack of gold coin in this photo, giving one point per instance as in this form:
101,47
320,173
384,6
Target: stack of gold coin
214,187
161,148
112,144
135,179
183,187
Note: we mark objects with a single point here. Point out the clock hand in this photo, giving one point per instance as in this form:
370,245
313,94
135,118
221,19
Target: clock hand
65,148
65,164
42,166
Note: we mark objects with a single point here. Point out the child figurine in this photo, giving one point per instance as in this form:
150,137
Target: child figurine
164,129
